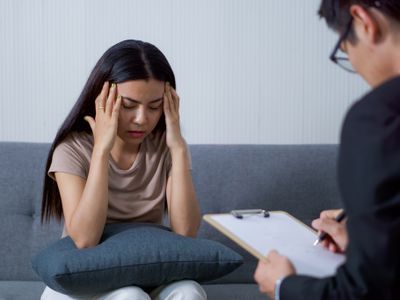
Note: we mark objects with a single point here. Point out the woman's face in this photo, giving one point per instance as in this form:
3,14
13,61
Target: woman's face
141,108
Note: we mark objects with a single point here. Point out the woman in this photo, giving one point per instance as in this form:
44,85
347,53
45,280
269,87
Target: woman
119,155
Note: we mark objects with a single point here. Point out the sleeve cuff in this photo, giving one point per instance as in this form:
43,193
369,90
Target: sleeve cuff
278,287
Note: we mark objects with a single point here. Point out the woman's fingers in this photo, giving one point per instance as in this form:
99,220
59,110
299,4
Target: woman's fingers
171,101
116,107
111,99
91,122
101,98
166,105
176,98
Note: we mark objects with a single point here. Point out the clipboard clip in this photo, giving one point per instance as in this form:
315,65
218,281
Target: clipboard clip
240,213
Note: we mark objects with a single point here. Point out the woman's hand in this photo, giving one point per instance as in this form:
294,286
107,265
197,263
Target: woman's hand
104,127
171,110
337,238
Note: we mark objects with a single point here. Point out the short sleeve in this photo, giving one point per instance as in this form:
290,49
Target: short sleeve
68,158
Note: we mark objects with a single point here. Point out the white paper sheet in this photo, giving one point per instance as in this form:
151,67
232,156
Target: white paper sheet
285,234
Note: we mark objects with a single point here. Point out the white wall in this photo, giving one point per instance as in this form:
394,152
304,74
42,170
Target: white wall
248,71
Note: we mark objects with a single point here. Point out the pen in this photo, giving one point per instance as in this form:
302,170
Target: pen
323,235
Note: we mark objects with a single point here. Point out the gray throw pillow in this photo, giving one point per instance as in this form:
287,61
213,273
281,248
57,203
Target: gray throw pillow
138,254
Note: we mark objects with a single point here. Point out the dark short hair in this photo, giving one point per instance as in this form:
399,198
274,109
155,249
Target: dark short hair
337,15
127,60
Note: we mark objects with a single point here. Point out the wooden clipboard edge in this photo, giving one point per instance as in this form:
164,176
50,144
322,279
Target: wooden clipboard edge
241,243
232,236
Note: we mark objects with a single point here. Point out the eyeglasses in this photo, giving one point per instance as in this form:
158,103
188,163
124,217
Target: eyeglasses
340,57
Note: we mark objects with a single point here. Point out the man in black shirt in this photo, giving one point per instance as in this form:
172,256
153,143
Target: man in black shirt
368,166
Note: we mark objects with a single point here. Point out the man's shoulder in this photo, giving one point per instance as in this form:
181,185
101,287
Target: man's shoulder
385,96
378,105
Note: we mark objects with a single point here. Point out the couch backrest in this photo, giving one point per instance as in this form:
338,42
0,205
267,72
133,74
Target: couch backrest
21,233
300,179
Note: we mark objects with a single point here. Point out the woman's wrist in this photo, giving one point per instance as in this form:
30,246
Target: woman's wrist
179,152
100,152
178,148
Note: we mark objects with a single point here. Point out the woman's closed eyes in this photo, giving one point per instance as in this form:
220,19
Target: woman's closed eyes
128,103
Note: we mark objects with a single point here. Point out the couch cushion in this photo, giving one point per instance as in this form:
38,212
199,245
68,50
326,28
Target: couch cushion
234,291
139,254
21,290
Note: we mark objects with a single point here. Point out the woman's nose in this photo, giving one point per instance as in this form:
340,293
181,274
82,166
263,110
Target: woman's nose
140,117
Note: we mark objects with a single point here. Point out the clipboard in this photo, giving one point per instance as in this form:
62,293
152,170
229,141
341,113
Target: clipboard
282,232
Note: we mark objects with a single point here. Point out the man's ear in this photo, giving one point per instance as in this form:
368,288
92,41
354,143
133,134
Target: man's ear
365,24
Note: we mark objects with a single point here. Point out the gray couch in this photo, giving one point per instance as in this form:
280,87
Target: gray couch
300,179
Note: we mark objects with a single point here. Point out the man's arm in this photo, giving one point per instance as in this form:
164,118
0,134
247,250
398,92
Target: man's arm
369,181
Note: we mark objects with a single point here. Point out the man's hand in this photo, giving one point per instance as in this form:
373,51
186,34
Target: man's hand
337,238
268,271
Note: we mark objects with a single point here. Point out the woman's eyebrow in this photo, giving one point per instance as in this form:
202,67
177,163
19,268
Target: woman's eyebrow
137,101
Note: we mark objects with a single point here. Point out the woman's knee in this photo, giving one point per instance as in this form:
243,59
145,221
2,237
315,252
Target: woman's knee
183,290
126,293
192,290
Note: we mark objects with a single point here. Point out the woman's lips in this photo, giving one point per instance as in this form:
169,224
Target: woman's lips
136,134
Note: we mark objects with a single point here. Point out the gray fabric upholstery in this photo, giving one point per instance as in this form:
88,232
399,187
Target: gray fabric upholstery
300,179
21,290
21,234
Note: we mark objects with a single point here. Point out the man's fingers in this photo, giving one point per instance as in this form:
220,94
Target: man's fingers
322,224
272,255
316,224
325,243
331,227
330,214
333,248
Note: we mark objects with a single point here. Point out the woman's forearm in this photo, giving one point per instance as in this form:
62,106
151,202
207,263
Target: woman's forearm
184,211
88,219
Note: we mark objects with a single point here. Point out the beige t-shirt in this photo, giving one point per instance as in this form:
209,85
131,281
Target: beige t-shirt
134,195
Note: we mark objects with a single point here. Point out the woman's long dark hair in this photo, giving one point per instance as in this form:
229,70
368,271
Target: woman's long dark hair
127,60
